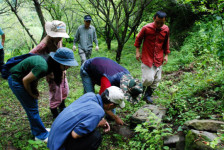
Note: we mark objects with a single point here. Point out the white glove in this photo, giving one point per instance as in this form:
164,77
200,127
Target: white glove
74,48
97,48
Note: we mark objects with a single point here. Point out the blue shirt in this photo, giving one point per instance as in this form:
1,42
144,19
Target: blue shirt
1,33
101,66
82,116
86,37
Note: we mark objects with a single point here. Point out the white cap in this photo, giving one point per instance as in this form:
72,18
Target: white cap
116,96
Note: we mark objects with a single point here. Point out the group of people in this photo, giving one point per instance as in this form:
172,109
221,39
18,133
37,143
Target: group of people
76,126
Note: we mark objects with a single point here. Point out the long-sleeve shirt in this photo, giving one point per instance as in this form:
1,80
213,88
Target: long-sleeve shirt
82,117
86,37
155,44
101,66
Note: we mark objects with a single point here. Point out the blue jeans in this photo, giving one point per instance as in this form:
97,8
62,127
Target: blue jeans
31,107
86,80
1,58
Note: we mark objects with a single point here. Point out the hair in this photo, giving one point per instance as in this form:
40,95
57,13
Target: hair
105,97
54,66
160,14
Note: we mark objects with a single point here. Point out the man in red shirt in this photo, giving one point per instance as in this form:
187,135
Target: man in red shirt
154,54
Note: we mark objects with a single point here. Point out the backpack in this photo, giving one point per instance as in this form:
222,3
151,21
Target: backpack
12,62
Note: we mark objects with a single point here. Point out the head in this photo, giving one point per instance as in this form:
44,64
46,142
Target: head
65,57
132,88
56,30
87,21
113,97
159,19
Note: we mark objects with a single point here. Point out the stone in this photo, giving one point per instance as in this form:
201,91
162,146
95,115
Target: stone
125,131
175,141
144,112
197,140
205,125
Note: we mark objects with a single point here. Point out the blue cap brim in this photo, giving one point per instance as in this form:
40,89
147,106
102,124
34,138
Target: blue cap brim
67,62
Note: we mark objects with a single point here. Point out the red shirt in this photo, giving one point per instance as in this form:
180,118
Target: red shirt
155,44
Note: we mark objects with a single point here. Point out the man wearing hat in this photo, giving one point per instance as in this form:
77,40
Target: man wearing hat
76,127
105,73
85,36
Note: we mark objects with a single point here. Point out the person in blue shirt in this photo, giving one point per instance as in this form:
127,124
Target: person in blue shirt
75,127
1,48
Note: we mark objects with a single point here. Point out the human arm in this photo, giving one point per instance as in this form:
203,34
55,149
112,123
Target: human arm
95,40
138,54
3,39
166,47
75,135
76,39
104,84
27,85
117,119
165,59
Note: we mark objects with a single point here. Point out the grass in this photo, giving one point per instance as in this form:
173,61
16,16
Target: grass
191,88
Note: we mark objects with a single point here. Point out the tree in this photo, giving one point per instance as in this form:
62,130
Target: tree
40,15
14,7
123,21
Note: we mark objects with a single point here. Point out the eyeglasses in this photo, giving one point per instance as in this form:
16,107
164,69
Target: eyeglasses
88,21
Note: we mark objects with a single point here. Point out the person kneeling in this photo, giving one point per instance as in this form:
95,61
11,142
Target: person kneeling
76,126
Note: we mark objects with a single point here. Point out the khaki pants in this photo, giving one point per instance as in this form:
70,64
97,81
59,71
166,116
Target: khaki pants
151,76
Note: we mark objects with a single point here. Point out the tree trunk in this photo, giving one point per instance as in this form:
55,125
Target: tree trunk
21,22
41,16
119,50
108,41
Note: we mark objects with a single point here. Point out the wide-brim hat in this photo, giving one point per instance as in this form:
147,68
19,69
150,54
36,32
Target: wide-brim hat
64,56
56,29
132,88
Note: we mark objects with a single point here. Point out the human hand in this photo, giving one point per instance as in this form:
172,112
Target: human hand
138,55
97,48
105,125
165,59
74,48
3,43
119,121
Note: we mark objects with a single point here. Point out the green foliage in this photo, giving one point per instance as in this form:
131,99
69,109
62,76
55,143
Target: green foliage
151,134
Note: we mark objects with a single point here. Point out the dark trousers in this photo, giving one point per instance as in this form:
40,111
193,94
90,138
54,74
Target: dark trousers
1,58
89,142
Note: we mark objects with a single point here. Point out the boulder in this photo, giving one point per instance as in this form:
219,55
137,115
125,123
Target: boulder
197,140
146,111
205,125
175,141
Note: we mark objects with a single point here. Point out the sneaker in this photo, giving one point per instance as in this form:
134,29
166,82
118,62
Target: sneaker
149,100
48,129
45,140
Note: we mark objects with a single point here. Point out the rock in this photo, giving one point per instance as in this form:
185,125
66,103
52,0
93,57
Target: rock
125,131
143,113
177,141
205,125
197,140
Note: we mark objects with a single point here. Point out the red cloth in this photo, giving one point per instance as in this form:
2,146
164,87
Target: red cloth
155,44
104,84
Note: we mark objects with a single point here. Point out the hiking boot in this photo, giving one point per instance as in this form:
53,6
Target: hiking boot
54,112
148,94
62,106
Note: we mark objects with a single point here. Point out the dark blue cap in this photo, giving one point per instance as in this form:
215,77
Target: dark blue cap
87,18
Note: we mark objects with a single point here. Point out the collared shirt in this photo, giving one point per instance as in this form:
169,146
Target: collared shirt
86,37
1,33
155,44
82,117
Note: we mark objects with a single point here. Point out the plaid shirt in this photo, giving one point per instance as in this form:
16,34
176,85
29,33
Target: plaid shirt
155,44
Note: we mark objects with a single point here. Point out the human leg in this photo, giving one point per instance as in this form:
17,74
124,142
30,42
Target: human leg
30,105
1,58
82,55
89,142
148,77
86,80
